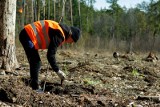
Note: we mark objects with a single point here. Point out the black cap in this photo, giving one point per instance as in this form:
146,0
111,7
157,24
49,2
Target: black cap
75,33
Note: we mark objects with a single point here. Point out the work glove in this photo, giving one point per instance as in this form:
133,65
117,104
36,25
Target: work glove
61,75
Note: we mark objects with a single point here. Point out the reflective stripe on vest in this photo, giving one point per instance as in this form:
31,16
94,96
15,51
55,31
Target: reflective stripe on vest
38,33
46,37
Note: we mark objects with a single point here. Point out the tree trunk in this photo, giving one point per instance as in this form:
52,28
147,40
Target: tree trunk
35,10
88,17
54,9
32,10
59,8
44,12
49,9
63,11
38,9
79,13
130,42
23,14
7,34
71,12
44,8
153,40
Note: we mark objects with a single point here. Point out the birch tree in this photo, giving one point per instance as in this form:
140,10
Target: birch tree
7,34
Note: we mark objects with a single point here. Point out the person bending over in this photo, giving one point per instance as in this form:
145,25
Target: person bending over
45,34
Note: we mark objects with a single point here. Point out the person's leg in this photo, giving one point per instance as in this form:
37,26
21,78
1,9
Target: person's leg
33,58
34,71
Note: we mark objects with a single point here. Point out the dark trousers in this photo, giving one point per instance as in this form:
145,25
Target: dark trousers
32,56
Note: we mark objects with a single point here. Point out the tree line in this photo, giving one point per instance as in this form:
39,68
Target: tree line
114,28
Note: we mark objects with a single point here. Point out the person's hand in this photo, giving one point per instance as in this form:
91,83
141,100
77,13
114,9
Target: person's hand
61,75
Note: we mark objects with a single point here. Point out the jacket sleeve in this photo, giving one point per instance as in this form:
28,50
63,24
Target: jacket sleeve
55,40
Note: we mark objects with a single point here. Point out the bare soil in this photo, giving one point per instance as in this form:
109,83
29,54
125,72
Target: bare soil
94,79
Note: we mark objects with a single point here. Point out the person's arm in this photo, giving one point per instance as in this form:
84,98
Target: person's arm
55,40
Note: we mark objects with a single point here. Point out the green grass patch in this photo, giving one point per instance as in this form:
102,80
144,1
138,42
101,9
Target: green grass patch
91,82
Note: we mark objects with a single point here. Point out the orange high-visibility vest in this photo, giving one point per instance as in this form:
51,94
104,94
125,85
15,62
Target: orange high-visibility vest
38,32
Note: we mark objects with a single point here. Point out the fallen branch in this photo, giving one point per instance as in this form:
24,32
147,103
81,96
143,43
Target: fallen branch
79,65
152,98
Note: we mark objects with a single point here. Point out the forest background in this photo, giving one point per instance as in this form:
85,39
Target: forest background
114,29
